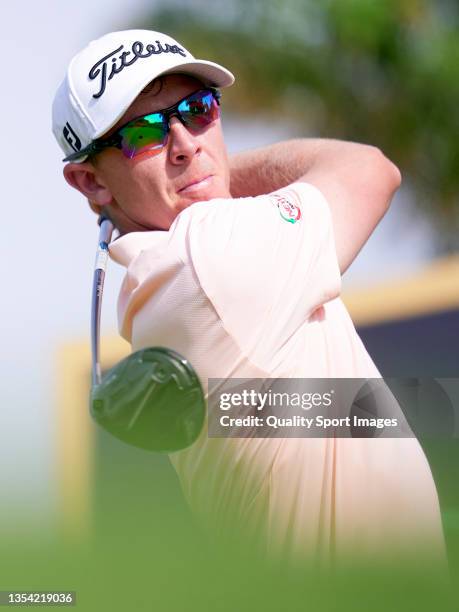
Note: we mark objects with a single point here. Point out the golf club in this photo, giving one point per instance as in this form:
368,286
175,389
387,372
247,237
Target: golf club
153,398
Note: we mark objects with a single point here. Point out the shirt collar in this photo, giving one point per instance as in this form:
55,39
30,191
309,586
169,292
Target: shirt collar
126,248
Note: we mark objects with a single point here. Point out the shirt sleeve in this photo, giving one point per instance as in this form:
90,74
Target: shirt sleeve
266,263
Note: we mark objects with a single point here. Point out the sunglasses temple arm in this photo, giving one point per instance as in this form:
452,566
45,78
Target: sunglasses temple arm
105,234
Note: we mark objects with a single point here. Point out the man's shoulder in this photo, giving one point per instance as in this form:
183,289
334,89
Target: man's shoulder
299,200
212,226
136,247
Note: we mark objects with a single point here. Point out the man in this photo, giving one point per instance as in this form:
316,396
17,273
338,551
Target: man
236,263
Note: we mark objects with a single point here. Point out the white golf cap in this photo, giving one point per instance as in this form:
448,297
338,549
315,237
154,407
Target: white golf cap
105,77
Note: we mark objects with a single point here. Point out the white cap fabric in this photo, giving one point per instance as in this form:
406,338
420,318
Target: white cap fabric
105,77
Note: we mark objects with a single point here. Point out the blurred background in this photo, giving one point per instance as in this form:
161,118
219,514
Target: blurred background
385,73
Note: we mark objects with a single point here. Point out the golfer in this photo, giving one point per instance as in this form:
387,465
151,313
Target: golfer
236,263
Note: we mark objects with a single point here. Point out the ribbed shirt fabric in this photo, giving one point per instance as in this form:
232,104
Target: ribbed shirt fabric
250,288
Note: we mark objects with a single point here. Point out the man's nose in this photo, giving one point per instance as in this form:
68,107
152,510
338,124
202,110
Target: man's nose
182,145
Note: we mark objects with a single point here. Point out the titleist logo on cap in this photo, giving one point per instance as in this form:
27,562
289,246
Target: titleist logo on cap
119,59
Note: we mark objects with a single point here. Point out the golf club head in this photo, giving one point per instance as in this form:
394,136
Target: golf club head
152,399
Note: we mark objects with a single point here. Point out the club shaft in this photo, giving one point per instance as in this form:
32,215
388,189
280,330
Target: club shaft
106,229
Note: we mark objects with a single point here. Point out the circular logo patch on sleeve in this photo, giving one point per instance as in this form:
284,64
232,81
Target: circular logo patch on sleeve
288,206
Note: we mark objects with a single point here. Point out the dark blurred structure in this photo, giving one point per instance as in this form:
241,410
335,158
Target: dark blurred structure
410,325
385,73
425,345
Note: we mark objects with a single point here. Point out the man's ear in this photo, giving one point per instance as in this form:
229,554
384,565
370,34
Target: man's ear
84,178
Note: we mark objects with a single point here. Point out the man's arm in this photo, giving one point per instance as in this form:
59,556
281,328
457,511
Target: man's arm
357,180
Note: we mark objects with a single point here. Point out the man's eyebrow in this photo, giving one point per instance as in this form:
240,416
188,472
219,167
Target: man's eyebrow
152,85
148,90
120,122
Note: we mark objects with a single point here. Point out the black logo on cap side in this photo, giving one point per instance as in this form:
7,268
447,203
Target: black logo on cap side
121,61
71,137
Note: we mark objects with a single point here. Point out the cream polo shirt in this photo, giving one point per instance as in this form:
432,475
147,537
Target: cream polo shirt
249,288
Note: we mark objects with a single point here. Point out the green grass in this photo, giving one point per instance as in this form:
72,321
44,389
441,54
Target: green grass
143,552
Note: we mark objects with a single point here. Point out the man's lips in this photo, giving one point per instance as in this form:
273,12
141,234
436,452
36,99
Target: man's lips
196,184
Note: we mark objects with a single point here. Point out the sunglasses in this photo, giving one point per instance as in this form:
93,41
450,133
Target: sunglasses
150,132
